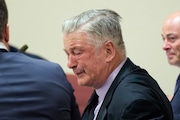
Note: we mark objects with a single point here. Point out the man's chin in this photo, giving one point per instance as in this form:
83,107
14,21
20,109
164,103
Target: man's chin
81,82
173,63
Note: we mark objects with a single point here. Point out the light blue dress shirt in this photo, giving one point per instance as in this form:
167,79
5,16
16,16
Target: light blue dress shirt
101,92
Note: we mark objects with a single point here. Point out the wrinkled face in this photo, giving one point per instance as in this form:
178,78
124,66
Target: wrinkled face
171,38
87,62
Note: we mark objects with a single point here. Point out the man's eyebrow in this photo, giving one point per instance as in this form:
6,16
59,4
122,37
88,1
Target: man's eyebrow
170,34
73,48
167,35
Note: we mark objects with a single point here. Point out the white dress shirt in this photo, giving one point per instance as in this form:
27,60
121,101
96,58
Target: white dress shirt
2,46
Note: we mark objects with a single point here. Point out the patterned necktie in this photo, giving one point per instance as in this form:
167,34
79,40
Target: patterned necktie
177,83
89,111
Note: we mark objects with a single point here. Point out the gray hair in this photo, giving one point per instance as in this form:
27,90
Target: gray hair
99,25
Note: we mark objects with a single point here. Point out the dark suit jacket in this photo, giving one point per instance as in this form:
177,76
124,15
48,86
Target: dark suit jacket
34,89
134,95
14,49
175,102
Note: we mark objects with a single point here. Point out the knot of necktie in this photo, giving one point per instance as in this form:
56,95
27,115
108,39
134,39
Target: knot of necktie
89,111
95,101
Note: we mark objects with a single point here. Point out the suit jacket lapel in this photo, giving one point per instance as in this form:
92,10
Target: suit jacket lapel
127,67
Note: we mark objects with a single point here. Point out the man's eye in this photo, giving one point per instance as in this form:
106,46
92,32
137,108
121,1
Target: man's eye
171,38
77,52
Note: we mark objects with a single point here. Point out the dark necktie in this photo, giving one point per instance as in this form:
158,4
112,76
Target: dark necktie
177,83
89,111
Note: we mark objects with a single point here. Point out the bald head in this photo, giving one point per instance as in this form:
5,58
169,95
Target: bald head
171,37
172,21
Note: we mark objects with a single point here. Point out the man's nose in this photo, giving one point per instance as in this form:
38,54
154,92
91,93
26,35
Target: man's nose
165,45
71,61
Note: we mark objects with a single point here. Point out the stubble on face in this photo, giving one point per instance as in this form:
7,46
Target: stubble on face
88,63
94,66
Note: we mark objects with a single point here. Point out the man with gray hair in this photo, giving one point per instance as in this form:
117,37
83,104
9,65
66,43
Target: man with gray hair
96,53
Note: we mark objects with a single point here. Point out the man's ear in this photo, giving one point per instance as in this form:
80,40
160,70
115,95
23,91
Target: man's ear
6,33
110,50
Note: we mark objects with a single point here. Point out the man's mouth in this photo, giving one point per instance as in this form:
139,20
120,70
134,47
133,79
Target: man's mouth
78,73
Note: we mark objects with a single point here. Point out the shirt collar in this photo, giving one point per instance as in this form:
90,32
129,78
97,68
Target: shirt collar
101,92
2,46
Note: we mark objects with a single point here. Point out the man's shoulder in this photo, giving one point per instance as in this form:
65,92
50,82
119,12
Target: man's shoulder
15,49
33,62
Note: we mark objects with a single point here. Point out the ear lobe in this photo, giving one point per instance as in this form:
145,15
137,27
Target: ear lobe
110,51
6,33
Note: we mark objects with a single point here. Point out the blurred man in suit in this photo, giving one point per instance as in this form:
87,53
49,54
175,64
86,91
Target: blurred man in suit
96,53
32,89
171,39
